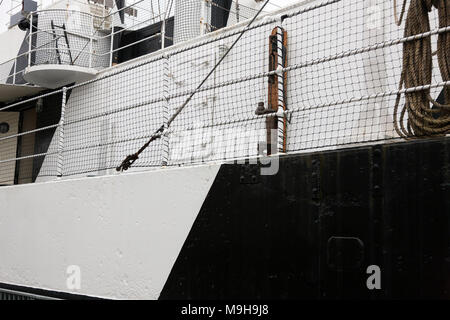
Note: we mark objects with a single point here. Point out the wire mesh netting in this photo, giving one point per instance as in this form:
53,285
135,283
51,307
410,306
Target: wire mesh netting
69,37
342,73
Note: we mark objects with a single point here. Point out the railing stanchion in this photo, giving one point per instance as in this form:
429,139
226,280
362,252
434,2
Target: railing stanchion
203,17
15,71
90,43
30,39
165,137
163,33
112,42
61,135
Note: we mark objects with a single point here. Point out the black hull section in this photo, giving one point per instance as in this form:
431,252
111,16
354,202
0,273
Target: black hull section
312,230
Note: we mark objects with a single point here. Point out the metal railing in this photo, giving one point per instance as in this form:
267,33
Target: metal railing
49,37
81,38
147,13
341,90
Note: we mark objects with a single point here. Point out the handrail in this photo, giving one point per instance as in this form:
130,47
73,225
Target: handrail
82,12
132,44
12,76
67,49
127,28
89,36
164,92
129,6
48,31
37,12
15,58
21,134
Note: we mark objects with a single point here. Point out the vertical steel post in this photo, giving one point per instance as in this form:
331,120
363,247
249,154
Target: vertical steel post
90,43
15,71
112,42
281,60
163,29
203,17
30,39
59,169
163,33
165,137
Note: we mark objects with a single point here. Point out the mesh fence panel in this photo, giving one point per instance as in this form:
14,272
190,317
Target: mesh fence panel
69,37
112,117
240,12
344,60
187,19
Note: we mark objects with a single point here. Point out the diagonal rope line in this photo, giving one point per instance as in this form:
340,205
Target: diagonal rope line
131,159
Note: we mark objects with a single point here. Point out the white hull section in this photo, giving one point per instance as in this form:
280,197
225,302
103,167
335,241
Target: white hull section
123,232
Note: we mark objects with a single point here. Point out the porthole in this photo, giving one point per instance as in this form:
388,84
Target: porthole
4,127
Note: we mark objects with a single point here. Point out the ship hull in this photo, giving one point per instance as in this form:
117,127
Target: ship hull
310,231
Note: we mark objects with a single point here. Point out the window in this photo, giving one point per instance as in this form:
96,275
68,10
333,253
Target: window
4,127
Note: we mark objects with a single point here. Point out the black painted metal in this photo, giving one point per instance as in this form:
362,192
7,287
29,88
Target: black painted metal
151,45
55,38
220,11
10,296
312,230
14,292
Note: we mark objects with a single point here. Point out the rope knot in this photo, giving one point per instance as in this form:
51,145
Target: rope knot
127,163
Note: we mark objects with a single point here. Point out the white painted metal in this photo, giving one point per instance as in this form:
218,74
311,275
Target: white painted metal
56,75
14,38
30,39
92,34
59,171
111,48
203,17
165,138
242,10
9,92
124,232
188,19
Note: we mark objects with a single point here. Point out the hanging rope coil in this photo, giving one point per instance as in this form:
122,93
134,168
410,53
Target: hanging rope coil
425,116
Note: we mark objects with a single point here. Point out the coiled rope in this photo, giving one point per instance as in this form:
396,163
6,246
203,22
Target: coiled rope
425,116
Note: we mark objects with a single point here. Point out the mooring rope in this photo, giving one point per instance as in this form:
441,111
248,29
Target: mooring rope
423,121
